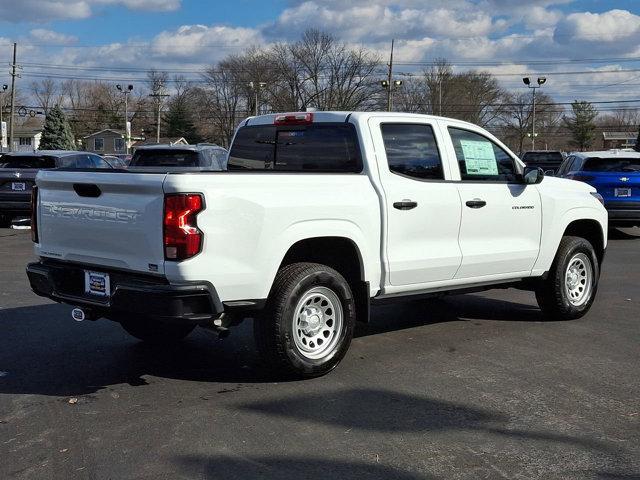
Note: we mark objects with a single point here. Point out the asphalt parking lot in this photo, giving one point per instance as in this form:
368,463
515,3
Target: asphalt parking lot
469,387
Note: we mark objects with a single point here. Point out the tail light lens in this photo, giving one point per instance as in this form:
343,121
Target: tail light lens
182,237
34,214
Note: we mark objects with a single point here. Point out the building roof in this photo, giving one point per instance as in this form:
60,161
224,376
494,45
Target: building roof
619,135
163,141
112,130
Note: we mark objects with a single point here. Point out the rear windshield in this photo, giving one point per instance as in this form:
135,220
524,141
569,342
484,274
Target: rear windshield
165,158
325,147
542,157
27,161
596,164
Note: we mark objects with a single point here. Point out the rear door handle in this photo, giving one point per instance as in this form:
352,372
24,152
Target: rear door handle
476,203
405,205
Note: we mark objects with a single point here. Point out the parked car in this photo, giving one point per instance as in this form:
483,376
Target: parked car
615,174
318,216
548,160
18,172
203,156
115,162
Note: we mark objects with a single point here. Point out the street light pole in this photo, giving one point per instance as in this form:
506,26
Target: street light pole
527,81
126,92
256,86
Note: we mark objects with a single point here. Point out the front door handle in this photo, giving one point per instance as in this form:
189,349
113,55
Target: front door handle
476,203
405,205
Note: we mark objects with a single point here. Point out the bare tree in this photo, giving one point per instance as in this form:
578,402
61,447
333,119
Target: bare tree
47,93
516,118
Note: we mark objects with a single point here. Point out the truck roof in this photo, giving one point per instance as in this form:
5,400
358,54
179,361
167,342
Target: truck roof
39,153
608,154
339,116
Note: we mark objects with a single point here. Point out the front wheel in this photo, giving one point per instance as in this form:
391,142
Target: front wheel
307,325
570,288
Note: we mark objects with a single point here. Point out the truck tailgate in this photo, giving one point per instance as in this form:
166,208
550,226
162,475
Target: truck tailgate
100,218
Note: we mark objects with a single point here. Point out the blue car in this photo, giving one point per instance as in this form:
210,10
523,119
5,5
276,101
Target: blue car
616,176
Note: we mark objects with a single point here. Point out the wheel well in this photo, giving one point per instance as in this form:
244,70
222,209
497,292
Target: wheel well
341,254
338,253
591,231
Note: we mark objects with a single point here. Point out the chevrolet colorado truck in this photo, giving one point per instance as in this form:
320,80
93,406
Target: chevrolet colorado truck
318,216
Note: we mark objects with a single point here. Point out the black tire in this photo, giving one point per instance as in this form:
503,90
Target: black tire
552,295
151,330
274,328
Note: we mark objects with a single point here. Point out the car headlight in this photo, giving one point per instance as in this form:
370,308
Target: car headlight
598,196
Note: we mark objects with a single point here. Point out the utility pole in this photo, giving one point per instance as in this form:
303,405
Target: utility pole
2,126
13,74
390,78
158,96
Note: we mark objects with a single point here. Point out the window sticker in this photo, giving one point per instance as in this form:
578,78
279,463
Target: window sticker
479,157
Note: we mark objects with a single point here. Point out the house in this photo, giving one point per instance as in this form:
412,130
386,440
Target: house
27,136
163,141
106,142
619,139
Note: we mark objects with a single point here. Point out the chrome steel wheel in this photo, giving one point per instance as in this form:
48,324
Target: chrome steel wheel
317,323
579,279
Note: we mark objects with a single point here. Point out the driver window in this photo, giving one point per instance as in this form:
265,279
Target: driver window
480,159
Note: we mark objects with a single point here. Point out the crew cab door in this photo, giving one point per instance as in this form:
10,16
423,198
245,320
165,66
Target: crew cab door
422,208
501,216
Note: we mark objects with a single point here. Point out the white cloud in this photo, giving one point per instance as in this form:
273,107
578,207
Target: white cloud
49,36
611,26
42,11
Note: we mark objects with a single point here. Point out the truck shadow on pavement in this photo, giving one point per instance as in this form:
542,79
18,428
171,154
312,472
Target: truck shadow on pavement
388,412
243,467
42,351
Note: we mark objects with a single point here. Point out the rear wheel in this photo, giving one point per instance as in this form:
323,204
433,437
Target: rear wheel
307,325
570,288
150,330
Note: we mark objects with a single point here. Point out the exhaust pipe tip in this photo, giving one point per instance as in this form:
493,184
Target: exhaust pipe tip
81,314
78,314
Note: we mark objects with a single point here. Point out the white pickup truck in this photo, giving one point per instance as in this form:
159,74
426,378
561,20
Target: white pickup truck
318,216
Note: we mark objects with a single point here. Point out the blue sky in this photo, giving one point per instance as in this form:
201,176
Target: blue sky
506,37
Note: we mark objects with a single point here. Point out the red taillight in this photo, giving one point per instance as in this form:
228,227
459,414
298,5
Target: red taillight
301,118
34,214
182,238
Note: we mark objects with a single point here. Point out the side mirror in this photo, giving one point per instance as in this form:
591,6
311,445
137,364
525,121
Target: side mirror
532,175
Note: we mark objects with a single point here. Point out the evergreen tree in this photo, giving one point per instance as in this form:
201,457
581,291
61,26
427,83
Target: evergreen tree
57,131
581,125
180,122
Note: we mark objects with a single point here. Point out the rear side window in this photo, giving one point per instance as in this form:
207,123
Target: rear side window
412,150
596,164
82,160
27,161
321,148
480,159
165,158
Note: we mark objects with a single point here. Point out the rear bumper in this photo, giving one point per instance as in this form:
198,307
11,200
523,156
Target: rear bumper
13,204
627,213
131,293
